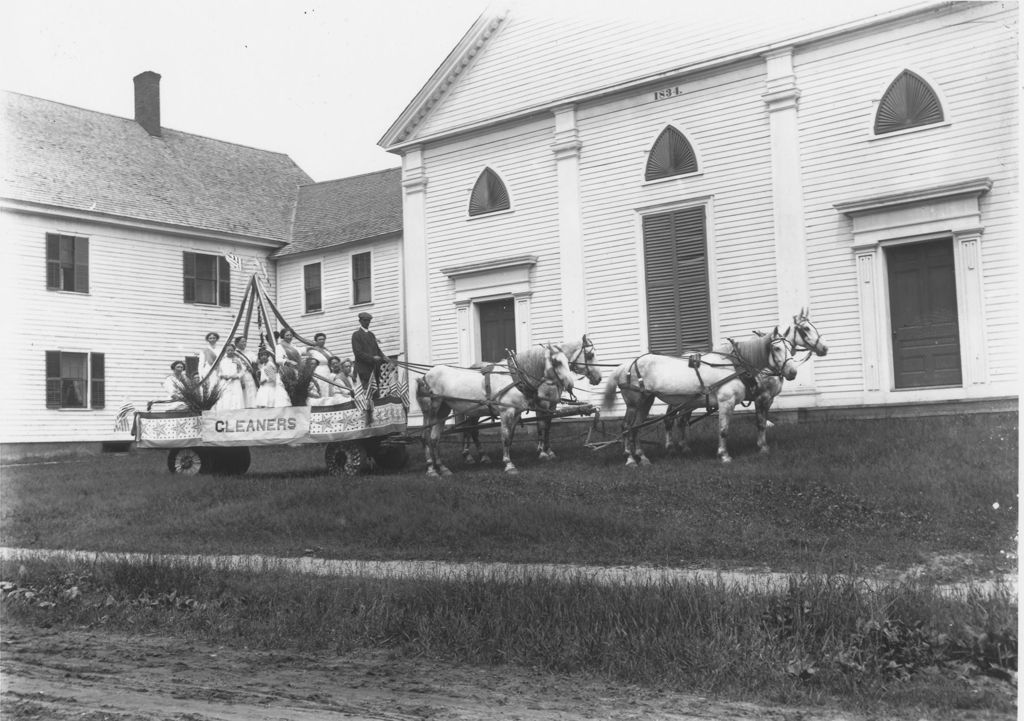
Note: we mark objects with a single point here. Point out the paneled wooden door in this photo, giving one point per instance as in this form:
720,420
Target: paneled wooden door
497,329
923,311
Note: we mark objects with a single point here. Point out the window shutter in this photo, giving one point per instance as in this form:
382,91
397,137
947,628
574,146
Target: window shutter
224,281
192,365
189,275
312,286
678,295
670,155
81,265
97,387
53,379
53,261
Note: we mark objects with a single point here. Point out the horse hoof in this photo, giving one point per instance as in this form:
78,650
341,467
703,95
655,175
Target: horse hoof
512,470
485,460
543,456
725,459
431,473
630,462
763,449
469,460
645,461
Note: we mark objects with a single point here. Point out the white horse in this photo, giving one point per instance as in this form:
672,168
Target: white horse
582,362
804,336
501,390
715,380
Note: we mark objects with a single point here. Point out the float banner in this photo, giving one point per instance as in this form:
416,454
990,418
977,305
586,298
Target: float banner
255,426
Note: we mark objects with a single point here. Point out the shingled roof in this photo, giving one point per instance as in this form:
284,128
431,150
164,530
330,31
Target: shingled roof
336,212
68,157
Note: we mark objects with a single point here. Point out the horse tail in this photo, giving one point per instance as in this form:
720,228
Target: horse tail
611,387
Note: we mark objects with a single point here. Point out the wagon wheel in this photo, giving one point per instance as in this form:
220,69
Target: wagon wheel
391,456
346,459
188,461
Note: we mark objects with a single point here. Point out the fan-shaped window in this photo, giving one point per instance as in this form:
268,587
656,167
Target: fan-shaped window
671,155
908,103
489,194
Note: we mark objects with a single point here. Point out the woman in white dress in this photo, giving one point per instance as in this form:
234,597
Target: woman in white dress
208,358
271,393
250,374
230,369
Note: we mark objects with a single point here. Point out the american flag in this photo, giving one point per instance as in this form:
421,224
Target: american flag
234,261
122,422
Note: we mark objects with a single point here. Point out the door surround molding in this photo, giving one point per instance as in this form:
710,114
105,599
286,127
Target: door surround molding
483,281
951,210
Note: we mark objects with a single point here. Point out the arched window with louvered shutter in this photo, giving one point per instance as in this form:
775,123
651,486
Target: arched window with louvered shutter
670,155
489,194
909,102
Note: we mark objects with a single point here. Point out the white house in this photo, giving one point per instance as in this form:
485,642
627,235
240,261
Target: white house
126,242
662,183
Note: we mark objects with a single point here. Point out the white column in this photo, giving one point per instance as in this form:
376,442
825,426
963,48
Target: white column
870,332
970,301
465,330
522,301
416,289
566,147
781,97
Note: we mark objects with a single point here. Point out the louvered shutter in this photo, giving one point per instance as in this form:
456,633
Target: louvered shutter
489,194
908,102
53,261
97,381
192,365
81,265
189,276
223,281
678,296
670,155
53,379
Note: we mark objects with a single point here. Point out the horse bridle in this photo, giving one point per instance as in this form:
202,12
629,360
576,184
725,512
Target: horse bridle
586,349
790,350
803,344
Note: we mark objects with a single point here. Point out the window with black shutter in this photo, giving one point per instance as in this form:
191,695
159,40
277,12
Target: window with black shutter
311,284
67,263
676,273
207,279
670,155
909,102
75,380
489,194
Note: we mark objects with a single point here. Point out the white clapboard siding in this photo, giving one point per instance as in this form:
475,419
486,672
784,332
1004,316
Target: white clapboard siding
972,64
725,121
339,317
522,157
535,60
134,314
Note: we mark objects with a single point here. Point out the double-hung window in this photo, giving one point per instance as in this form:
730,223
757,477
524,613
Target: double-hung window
207,279
361,289
67,263
312,287
74,380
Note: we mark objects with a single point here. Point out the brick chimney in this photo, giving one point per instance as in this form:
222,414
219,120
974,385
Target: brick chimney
147,101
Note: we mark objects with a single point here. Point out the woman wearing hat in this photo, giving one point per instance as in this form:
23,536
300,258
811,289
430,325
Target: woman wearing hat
208,359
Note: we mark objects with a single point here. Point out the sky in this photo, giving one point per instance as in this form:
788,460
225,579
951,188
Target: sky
319,81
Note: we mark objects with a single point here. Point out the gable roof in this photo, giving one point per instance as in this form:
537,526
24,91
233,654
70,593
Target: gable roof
67,157
335,212
517,62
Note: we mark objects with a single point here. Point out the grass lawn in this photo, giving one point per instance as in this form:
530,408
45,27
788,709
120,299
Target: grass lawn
830,497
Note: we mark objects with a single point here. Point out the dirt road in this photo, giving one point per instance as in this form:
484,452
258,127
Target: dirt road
96,676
